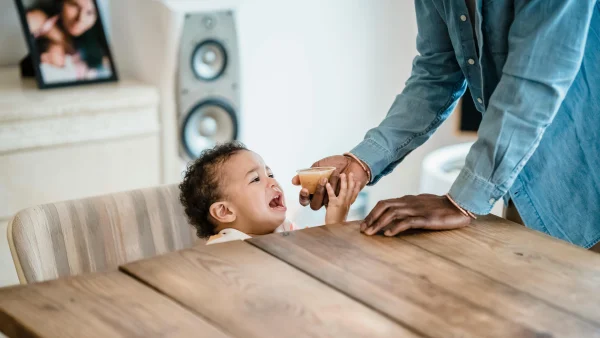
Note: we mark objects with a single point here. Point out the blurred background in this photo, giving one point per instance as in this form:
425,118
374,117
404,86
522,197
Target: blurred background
302,80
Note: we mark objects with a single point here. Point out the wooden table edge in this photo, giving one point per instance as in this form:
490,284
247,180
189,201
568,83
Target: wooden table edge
19,328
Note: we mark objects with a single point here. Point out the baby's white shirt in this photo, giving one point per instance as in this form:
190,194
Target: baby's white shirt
231,234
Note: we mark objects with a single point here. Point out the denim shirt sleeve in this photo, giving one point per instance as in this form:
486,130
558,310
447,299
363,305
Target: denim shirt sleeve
430,94
546,46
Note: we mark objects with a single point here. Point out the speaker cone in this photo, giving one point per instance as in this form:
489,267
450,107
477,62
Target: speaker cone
208,123
209,60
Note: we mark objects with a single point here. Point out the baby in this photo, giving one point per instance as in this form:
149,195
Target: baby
56,65
51,52
229,193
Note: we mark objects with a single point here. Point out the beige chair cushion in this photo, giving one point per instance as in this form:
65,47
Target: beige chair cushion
98,233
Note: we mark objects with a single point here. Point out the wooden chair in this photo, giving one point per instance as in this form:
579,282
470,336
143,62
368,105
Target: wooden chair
98,233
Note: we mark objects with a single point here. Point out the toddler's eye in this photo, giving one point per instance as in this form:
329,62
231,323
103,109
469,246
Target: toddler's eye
271,176
257,179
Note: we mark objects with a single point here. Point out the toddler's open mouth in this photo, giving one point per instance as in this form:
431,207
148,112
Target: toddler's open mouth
277,203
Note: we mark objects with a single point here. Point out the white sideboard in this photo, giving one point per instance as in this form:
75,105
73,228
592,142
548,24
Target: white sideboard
73,142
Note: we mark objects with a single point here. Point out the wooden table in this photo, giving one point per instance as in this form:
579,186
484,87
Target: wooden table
492,279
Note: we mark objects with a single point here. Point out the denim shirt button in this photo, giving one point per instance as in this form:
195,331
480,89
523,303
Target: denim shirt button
479,100
463,18
492,201
471,61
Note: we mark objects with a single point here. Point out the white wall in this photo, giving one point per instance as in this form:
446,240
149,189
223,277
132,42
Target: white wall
12,43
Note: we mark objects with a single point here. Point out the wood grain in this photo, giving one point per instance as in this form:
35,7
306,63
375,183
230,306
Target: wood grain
249,293
433,295
96,305
564,275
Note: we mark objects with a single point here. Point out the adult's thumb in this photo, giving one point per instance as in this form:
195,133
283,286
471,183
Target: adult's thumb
296,180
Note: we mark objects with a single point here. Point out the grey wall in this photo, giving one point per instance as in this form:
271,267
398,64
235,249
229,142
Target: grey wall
12,43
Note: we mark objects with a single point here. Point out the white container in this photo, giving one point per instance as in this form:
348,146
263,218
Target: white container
441,168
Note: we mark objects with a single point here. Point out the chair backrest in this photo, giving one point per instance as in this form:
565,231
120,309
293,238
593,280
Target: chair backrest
97,233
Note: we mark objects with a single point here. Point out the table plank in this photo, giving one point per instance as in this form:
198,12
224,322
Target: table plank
564,275
97,305
431,294
249,293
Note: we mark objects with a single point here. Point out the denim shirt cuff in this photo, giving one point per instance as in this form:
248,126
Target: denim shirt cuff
474,193
375,156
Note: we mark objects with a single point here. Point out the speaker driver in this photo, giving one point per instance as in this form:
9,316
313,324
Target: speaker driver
208,123
209,60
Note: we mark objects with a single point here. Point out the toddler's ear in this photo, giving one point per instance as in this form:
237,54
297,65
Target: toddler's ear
222,212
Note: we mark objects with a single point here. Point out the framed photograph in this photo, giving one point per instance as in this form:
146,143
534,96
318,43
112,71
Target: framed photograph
67,43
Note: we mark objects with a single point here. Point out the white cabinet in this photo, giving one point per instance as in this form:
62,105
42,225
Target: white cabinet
72,142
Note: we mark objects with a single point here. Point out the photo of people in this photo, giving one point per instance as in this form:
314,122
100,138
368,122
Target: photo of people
67,41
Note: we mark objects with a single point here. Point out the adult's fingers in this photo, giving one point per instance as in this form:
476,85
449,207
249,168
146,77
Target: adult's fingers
296,180
405,224
318,197
380,208
304,197
390,216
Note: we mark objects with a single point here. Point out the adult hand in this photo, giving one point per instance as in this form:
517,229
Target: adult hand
343,164
424,211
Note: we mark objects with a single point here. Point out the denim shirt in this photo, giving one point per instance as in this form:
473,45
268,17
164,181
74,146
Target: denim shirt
533,69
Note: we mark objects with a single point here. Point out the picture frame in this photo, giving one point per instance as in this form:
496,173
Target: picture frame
67,43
